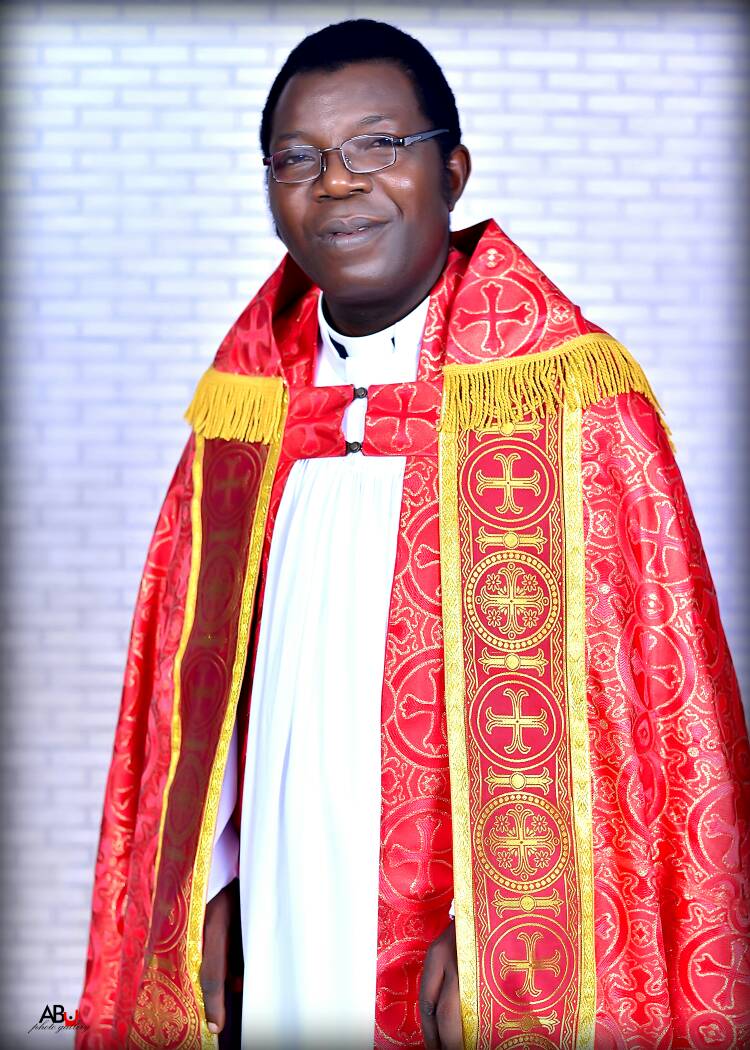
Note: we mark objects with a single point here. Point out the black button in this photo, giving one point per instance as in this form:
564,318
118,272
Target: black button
360,391
353,446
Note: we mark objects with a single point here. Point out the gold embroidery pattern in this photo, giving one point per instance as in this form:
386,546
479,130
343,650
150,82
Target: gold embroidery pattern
511,600
521,842
512,563
163,1015
463,883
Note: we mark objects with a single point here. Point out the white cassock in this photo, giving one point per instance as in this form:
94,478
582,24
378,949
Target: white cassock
309,849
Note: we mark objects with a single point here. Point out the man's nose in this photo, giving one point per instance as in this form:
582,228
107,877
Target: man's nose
336,180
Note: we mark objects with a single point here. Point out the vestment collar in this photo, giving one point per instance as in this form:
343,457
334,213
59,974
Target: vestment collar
387,356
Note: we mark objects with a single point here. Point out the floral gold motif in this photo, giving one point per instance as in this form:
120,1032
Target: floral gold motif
512,600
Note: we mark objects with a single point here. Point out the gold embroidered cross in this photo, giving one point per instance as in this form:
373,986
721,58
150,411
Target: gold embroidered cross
530,965
520,833
517,721
507,482
514,593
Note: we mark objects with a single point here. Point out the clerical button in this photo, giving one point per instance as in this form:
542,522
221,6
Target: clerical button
360,391
353,446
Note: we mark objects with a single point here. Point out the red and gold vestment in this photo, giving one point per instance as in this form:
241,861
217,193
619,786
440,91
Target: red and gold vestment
563,745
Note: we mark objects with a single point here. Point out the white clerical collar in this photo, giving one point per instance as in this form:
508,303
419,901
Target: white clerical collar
387,356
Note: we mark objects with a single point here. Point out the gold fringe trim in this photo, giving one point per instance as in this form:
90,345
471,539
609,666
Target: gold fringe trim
237,407
581,371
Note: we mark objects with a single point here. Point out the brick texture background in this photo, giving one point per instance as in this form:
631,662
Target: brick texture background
607,140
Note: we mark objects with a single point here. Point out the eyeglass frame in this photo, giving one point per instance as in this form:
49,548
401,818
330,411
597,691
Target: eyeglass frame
398,140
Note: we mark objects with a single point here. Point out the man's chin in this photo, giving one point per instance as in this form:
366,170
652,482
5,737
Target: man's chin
360,286
349,273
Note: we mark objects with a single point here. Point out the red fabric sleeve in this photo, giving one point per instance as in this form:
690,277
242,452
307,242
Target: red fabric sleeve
669,752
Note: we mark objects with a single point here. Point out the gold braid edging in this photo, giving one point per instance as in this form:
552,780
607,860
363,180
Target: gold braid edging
575,663
463,886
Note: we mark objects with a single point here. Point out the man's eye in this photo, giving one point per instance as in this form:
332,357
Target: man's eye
379,143
289,160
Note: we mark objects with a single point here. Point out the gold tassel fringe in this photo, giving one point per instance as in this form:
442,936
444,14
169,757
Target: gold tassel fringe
475,397
577,373
237,407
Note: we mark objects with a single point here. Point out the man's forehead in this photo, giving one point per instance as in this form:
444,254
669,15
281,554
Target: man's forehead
359,92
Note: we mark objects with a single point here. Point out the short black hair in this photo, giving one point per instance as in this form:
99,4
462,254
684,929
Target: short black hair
366,40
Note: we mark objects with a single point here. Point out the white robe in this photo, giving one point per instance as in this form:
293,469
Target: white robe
308,854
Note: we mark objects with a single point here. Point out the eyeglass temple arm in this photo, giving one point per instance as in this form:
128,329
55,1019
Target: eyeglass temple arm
406,140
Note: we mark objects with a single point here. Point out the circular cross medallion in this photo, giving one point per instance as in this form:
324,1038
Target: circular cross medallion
521,841
512,600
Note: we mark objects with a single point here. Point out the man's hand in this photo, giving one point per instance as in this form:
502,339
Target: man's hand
439,1006
220,958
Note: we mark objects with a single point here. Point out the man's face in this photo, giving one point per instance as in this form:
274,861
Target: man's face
404,206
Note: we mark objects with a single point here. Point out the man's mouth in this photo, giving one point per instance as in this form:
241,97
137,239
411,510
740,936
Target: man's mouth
350,233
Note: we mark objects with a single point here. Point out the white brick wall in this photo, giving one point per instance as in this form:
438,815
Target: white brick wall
607,141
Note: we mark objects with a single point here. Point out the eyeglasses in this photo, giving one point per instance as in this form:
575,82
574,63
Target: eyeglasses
360,154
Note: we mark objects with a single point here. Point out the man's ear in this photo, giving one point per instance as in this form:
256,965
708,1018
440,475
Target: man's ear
457,171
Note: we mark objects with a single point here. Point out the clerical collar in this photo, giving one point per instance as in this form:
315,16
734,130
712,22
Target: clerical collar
389,355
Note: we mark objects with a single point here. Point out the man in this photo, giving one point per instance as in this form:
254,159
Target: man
425,619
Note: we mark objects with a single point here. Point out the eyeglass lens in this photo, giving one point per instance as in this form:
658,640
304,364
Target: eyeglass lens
361,154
